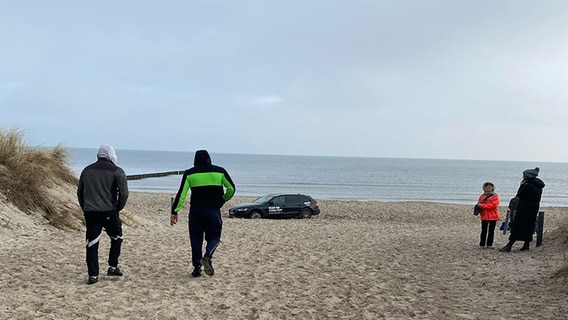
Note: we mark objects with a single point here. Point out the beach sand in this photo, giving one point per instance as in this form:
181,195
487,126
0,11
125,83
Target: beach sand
357,260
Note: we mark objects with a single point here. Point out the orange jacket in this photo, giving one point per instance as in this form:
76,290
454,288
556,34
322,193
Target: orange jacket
489,208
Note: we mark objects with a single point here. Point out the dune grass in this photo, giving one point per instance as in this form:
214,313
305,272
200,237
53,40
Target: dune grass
29,175
563,240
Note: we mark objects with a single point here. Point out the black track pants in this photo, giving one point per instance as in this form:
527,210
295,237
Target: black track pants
96,221
204,222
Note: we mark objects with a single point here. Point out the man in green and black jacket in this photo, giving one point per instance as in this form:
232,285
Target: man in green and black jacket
211,186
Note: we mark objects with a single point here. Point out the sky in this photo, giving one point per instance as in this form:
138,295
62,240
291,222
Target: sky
456,79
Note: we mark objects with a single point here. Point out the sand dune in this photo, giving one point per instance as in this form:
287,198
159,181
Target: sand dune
357,260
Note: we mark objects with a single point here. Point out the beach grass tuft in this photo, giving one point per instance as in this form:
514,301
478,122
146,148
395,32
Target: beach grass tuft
563,239
32,178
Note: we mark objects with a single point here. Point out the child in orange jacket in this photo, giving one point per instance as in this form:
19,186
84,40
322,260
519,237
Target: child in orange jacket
489,203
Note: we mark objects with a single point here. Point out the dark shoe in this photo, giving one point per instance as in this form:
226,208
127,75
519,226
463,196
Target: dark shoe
114,271
92,279
505,249
196,272
525,248
207,266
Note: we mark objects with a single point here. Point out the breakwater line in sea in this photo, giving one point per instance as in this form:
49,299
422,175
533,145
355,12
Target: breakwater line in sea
154,175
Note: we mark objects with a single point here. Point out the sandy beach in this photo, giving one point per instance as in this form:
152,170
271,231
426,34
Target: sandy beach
357,260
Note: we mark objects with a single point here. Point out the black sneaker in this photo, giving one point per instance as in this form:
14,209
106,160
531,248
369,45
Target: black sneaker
505,249
114,271
196,272
207,266
92,279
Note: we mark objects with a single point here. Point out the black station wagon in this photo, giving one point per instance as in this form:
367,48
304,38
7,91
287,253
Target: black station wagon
277,205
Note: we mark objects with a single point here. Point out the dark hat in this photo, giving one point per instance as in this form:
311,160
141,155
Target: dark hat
530,173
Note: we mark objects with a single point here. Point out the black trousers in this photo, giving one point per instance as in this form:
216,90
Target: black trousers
112,224
204,222
487,233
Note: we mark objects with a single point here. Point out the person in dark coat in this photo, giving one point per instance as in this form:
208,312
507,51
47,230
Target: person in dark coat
211,186
102,193
529,194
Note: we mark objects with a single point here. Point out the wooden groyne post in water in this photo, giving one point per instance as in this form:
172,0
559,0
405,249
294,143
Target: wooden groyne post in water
154,175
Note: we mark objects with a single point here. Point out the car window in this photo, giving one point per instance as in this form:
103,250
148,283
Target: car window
278,200
306,200
292,199
263,199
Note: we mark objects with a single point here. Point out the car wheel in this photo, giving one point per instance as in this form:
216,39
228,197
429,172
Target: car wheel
305,213
255,215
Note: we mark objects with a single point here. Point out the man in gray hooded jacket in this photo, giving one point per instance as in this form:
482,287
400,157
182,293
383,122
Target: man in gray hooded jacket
102,194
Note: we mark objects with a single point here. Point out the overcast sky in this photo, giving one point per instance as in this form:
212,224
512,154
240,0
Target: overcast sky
477,79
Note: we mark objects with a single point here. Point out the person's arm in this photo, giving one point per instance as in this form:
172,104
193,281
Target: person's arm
229,186
179,200
491,203
480,199
122,184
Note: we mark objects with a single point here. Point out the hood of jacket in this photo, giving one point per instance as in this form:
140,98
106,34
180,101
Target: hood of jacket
202,158
107,152
537,182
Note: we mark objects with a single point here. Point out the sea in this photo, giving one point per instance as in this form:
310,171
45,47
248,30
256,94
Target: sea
343,178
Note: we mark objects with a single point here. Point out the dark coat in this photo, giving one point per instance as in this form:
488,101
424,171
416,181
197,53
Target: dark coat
529,195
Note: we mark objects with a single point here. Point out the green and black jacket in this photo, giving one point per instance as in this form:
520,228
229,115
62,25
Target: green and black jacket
207,183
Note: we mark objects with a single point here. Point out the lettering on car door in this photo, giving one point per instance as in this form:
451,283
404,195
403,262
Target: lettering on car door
276,205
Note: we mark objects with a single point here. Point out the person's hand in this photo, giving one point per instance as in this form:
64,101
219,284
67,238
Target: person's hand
173,219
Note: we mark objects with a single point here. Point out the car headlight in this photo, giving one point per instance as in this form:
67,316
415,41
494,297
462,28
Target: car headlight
242,209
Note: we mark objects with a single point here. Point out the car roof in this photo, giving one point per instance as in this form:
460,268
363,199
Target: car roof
287,194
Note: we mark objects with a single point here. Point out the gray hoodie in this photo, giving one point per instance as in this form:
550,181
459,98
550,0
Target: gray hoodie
102,185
